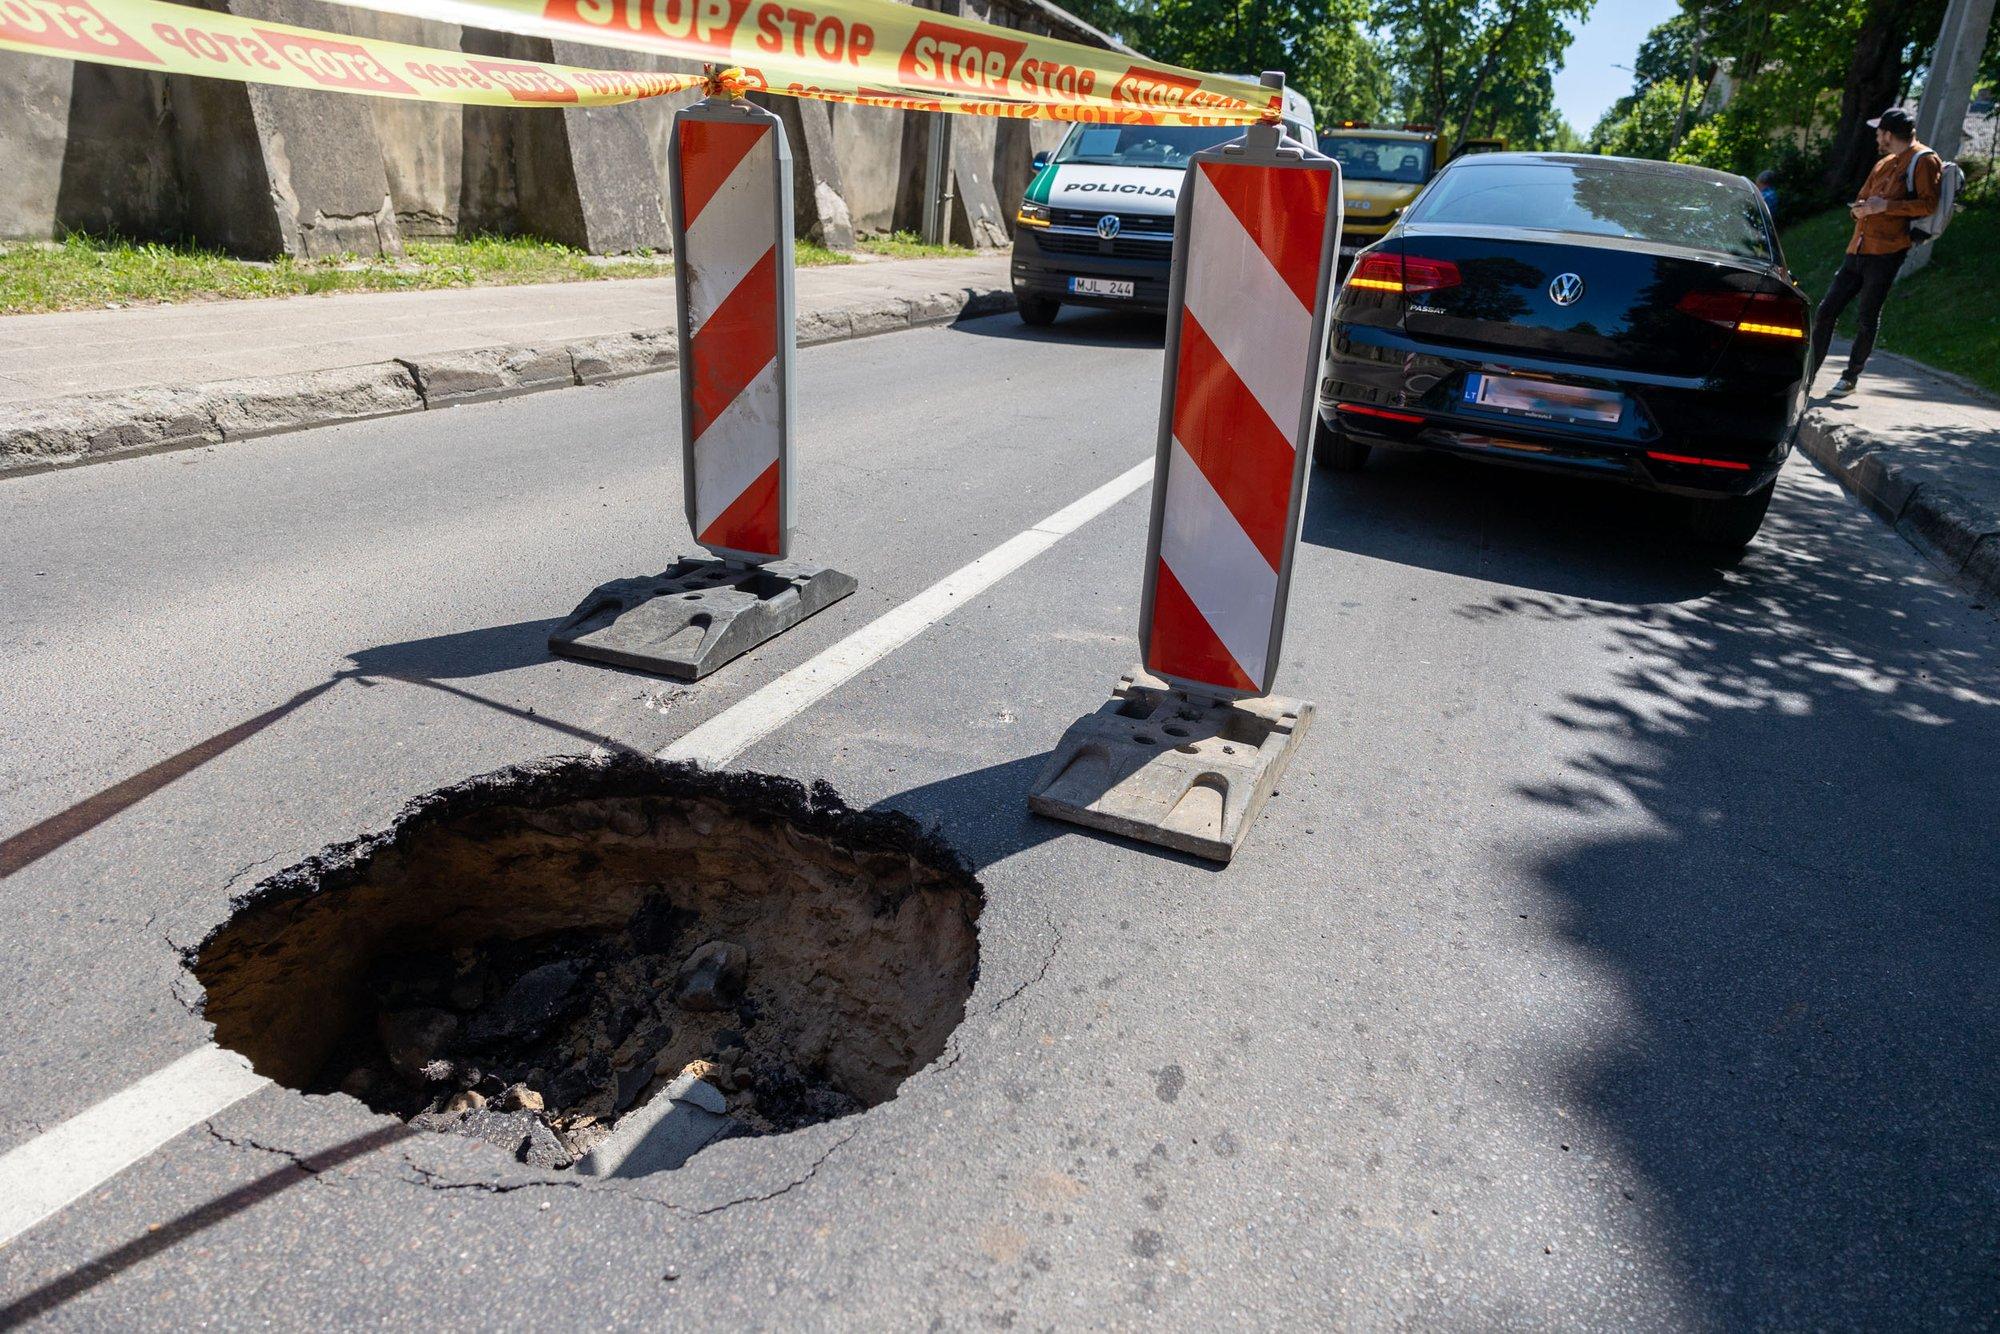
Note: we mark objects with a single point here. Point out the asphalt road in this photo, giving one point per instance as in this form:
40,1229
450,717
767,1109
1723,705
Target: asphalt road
1619,950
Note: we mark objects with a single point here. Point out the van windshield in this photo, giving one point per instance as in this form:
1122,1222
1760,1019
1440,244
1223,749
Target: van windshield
1142,145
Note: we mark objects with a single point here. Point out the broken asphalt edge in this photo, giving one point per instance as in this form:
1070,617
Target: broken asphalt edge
90,428
1952,530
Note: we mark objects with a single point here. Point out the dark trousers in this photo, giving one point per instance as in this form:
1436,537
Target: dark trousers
1866,276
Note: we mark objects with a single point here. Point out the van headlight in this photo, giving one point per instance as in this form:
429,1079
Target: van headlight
1033,215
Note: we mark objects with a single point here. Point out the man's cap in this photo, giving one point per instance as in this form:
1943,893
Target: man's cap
1896,121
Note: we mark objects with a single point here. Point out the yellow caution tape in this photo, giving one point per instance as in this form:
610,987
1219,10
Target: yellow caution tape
851,50
863,52
177,39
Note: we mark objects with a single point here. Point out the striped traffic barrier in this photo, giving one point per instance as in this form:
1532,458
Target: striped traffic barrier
730,172
1189,749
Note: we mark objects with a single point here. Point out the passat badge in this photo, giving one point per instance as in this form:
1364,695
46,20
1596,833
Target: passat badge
1107,226
1566,289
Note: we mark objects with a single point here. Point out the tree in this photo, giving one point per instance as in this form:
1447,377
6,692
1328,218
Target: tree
1643,125
1320,44
1891,42
1463,64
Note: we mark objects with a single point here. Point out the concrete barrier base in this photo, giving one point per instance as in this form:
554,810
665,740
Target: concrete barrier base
695,616
1181,770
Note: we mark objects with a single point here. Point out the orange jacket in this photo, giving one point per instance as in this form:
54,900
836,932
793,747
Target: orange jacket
1887,232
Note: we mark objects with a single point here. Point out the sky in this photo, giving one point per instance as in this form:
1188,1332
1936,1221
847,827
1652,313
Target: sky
1589,81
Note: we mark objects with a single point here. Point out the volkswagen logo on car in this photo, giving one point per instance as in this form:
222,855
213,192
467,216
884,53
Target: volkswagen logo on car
1566,289
1107,226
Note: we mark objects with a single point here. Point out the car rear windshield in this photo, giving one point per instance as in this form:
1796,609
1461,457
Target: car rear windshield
1364,159
1646,204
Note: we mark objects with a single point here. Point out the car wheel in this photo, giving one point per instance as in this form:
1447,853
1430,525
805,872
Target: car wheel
1039,311
1726,524
1334,450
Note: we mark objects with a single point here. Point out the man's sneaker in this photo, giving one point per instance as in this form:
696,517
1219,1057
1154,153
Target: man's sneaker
1841,388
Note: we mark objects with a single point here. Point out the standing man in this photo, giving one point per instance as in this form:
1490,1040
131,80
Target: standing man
1903,185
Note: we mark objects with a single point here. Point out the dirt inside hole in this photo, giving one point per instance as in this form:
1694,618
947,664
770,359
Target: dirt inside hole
564,957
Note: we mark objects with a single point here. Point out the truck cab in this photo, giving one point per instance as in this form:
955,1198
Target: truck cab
1096,225
1381,170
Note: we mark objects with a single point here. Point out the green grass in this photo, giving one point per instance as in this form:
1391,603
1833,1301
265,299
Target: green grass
1945,315
86,271
908,245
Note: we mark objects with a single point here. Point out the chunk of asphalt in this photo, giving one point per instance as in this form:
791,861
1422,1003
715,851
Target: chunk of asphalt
685,1118
536,1000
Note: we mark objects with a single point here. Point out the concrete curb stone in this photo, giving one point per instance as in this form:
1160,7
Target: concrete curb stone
86,428
273,403
1949,527
489,372
616,356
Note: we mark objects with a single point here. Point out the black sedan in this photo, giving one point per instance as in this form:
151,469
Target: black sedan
1597,316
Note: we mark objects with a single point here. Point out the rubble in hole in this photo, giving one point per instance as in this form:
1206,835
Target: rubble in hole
528,957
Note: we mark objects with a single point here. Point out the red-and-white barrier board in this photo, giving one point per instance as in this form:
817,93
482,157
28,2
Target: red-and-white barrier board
732,225
1257,228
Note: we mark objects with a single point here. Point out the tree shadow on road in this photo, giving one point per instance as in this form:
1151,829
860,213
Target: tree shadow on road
433,663
1808,937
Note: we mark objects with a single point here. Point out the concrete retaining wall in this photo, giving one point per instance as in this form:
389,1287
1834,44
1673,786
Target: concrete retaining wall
263,172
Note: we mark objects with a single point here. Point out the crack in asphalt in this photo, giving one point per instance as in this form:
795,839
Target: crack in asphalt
1055,943
789,1186
303,1162
180,904
431,1179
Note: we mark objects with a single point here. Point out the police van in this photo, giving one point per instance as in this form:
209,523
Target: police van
1096,226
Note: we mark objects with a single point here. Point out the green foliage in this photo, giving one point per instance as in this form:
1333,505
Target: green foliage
1564,139
1476,68
909,245
1320,44
84,271
1643,125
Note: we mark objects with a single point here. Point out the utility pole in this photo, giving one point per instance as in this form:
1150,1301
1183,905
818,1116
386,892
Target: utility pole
1694,73
1948,89
937,161
1948,86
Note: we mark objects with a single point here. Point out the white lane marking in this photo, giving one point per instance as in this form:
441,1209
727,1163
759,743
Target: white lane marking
1231,584
758,714
62,1165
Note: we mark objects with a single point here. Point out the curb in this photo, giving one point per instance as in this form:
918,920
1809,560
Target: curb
90,428
1955,532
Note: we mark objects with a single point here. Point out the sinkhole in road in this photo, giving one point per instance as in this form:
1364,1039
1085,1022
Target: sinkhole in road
605,964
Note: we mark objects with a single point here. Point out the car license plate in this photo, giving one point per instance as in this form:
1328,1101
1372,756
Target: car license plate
1545,399
1100,287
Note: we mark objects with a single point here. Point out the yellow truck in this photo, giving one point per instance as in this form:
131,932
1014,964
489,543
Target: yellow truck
1381,170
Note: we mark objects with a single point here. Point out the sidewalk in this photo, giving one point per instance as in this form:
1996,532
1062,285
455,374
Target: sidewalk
1923,451
80,385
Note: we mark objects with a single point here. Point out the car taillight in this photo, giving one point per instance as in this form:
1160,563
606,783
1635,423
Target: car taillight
1773,314
1402,273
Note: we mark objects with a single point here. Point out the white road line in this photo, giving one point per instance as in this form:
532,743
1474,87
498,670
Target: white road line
758,714
62,1165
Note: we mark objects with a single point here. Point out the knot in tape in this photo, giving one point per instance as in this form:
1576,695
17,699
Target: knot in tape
729,83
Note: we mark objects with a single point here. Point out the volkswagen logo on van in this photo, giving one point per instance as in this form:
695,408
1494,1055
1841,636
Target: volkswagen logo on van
1107,226
1566,289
